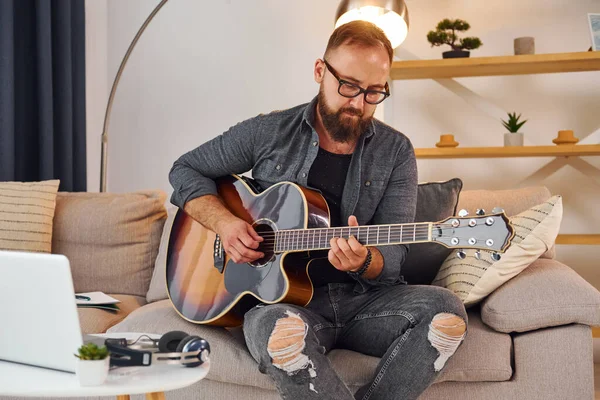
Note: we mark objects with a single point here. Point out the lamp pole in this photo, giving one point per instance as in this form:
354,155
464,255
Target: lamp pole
104,153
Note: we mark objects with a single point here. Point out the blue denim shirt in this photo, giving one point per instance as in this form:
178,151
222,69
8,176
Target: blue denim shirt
380,188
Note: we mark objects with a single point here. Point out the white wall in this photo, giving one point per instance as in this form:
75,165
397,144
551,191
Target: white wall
203,66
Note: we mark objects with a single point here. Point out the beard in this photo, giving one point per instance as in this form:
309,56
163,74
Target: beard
341,127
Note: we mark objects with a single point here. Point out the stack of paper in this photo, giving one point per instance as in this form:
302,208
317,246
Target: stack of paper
96,300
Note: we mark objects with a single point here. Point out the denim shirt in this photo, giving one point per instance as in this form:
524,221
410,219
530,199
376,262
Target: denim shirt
380,187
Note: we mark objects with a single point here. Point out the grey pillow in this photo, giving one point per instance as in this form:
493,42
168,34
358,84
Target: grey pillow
435,201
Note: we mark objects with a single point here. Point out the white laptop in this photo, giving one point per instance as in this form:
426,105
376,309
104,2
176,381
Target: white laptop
39,324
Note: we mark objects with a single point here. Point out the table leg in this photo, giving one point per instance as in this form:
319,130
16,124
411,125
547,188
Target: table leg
123,397
155,396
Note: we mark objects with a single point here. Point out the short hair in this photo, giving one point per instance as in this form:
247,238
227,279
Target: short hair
362,33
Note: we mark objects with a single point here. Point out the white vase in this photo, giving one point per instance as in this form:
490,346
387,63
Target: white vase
92,372
513,139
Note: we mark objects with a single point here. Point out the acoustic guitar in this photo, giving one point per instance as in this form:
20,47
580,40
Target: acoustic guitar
205,286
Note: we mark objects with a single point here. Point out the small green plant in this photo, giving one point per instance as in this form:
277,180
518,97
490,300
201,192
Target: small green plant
513,125
90,351
445,33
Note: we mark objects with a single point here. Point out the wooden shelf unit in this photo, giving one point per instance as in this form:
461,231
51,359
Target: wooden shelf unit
572,150
496,66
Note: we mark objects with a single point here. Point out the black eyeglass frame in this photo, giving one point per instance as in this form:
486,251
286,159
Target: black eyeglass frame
362,91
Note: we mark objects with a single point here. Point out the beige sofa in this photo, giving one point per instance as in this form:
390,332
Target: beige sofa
530,339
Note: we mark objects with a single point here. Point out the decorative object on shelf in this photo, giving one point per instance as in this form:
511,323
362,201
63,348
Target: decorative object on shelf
594,21
446,141
93,364
390,16
565,137
524,45
513,137
445,33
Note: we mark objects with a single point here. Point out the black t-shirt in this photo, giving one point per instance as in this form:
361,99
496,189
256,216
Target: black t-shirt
328,174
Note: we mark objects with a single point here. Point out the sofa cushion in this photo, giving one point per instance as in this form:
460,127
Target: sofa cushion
158,284
26,215
484,355
111,240
435,202
95,320
473,278
513,201
545,294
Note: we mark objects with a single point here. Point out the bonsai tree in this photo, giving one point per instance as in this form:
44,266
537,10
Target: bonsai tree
90,351
445,33
513,125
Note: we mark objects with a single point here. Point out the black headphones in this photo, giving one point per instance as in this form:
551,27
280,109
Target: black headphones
175,347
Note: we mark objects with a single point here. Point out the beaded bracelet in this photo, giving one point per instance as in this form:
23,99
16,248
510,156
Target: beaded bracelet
364,267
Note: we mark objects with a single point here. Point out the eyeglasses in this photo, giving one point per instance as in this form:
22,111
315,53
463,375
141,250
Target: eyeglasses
349,89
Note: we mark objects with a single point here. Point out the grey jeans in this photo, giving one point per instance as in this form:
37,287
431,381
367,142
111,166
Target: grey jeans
390,322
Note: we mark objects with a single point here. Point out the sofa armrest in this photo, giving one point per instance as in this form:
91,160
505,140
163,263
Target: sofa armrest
547,293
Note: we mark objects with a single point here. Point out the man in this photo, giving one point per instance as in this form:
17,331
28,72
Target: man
367,172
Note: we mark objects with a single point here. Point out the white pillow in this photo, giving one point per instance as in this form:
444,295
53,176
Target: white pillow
473,279
158,284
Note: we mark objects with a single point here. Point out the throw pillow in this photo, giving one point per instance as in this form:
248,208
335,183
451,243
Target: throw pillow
435,202
158,284
26,215
472,279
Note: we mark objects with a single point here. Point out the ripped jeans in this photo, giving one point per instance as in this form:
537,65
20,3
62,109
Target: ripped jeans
413,329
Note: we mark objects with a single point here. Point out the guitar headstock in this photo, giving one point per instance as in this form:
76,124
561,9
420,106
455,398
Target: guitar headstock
492,232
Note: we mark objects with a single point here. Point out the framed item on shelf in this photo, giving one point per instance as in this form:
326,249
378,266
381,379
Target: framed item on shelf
594,21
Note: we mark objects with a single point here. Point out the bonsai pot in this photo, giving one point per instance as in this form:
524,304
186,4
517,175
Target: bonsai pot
456,54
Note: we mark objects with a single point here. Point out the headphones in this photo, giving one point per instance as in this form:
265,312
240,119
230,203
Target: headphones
175,347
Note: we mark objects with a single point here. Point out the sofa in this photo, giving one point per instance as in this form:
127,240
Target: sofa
529,339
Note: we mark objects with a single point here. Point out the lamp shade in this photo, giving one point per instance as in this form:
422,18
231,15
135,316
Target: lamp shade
389,15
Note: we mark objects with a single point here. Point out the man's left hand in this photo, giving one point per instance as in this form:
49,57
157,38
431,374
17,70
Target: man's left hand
347,255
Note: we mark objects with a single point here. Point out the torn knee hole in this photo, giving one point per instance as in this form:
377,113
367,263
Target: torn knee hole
446,332
287,341
450,324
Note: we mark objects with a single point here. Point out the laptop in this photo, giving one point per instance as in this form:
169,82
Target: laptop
39,324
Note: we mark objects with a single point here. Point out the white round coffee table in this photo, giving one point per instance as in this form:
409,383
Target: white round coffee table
27,381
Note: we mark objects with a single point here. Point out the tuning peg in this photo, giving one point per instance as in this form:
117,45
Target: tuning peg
461,254
480,211
478,254
463,213
495,256
497,210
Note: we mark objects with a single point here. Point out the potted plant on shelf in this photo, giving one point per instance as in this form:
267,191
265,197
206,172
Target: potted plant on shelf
513,137
93,364
445,33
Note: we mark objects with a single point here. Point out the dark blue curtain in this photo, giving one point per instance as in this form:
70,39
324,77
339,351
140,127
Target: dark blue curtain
42,92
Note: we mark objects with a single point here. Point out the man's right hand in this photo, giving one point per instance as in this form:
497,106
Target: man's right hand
240,240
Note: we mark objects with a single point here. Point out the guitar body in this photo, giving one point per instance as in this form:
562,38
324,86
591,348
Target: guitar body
206,287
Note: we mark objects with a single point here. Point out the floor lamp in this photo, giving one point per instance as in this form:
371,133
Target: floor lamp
104,154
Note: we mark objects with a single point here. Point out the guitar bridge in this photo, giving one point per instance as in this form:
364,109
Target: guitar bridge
219,260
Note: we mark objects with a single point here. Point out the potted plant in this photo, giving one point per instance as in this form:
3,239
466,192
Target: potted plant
513,137
93,364
445,33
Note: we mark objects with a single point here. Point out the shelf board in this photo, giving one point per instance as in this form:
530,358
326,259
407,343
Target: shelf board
496,66
578,239
573,150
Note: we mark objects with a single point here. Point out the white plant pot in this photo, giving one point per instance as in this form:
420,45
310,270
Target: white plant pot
513,139
92,372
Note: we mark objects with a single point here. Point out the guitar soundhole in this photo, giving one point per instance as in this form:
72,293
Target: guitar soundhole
266,231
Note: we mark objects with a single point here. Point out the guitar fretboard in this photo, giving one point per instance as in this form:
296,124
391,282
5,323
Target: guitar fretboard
376,235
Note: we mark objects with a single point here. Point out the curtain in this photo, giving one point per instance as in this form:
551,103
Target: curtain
42,92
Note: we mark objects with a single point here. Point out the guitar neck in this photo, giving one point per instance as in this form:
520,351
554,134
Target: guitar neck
371,235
